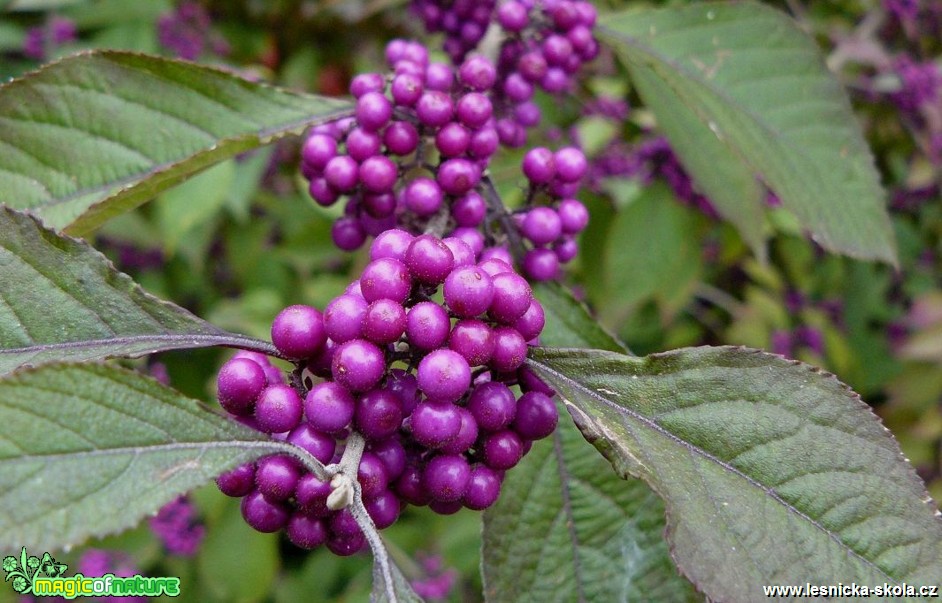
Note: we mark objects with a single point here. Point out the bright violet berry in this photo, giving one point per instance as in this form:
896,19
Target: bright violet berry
427,325
536,416
493,405
263,515
343,318
446,477
502,449
358,365
239,383
298,331
429,260
444,375
468,291
483,488
278,409
306,532
386,278
385,321
277,476
474,340
378,414
329,407
320,445
237,482
434,424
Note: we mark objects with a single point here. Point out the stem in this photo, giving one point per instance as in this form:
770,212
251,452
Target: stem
497,208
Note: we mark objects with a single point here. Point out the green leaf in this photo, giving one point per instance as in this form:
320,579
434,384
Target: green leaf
62,300
389,585
88,450
757,82
568,323
97,134
182,209
565,525
566,528
772,472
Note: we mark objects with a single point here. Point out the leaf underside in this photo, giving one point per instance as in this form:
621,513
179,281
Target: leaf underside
772,472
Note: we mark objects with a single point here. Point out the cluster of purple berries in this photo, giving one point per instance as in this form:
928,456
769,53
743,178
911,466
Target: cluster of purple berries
551,229
417,357
398,117
464,23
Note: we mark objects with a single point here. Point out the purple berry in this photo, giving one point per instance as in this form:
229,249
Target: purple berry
328,407
406,89
239,383
278,409
298,331
541,225
385,321
541,264
532,66
439,76
319,445
378,174
347,233
311,495
483,488
510,350
378,414
517,88
458,176
386,278
452,140
346,545
358,365
383,509
367,82
466,437
409,487
477,73
306,532
342,173
343,318
373,111
571,164
391,244
462,252
484,143
435,108
372,475
512,297
445,508
469,209
493,405
502,449
566,249
434,424
427,325
423,196
573,216
446,477
539,165
237,482
361,145
474,340
444,375
277,476
468,291
401,138
513,16
263,515
474,110
530,325
429,260
321,191
318,149
393,455
536,416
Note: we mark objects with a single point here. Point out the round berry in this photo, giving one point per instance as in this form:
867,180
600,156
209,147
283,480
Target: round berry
444,375
262,514
427,325
373,111
468,291
321,191
435,108
541,264
513,16
458,176
571,164
383,509
237,482
378,414
361,145
466,437
423,196
342,173
406,388
510,350
502,449
278,409
385,321
474,110
429,260
346,545
329,407
434,424
477,73
512,297
239,383
452,140
311,495
469,209
566,249
573,216
445,508
306,532
483,488
493,405
319,445
347,233
401,138
541,225
393,455
372,475
474,340
391,244
536,416
539,165
386,278
318,149
298,331
343,318
439,76
446,477
409,486
378,205
277,476
367,82
532,66
378,174
462,252
530,325
484,143
406,89
517,88
358,365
